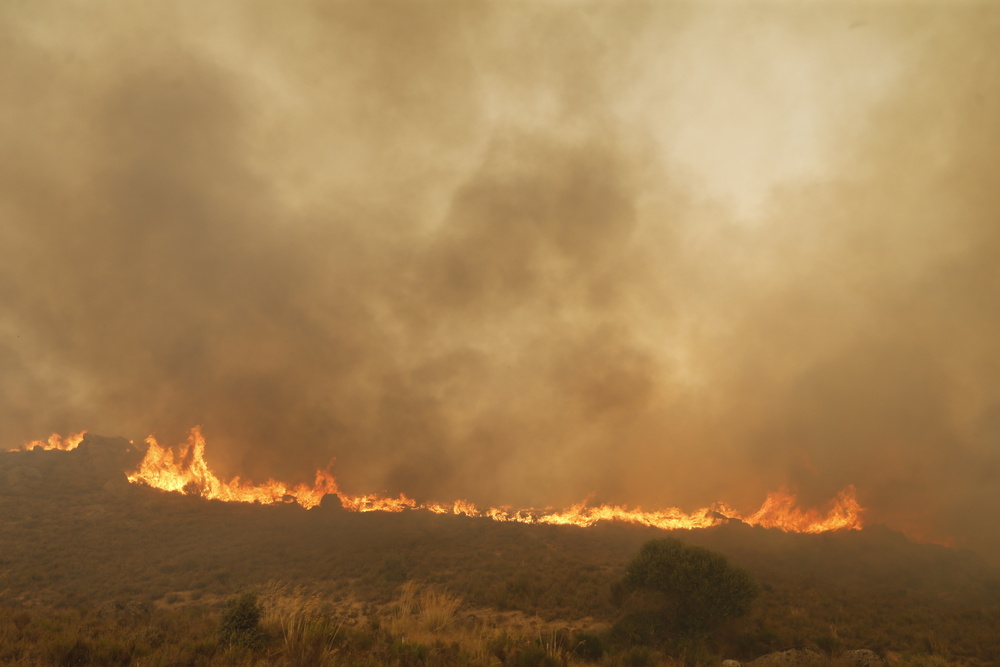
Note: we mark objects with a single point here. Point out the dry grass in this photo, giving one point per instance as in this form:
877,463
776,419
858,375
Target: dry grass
422,610
438,609
423,625
426,615
71,545
307,625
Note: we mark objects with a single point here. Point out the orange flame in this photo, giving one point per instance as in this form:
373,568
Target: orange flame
55,441
188,472
779,511
374,503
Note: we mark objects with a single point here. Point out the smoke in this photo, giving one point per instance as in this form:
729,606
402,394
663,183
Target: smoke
662,253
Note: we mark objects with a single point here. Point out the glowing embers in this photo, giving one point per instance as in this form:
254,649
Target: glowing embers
55,441
186,471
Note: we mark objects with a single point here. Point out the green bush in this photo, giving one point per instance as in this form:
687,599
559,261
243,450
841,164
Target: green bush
682,590
240,623
589,646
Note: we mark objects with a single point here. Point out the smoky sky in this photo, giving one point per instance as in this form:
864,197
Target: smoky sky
661,253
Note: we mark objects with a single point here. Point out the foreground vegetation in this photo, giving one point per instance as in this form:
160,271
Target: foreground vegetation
96,571
289,626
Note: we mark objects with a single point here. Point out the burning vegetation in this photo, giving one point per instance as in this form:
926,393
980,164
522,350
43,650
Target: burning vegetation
89,578
186,470
54,441
474,250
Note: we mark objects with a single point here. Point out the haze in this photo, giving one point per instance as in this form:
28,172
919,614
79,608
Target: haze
518,253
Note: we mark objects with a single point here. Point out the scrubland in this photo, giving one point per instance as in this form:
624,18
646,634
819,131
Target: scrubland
96,571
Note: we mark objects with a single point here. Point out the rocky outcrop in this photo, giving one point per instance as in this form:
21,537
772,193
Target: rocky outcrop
331,503
792,656
862,657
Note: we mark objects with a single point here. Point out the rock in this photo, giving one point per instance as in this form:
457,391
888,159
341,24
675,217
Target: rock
732,663
792,656
331,503
862,657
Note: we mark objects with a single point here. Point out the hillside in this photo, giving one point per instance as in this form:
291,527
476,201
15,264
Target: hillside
77,535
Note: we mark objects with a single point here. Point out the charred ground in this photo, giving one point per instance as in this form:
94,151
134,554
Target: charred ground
77,536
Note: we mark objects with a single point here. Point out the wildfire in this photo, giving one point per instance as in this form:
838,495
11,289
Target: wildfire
779,511
55,441
186,471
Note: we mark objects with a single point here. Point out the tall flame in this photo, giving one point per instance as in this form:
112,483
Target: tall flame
779,511
187,471
55,441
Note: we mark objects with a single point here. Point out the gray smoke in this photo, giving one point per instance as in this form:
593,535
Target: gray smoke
664,253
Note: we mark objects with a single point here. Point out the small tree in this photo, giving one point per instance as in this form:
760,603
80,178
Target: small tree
683,590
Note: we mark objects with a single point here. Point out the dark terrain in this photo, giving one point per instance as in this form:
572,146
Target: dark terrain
76,539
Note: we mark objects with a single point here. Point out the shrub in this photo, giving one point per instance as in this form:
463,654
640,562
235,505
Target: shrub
681,589
589,646
240,622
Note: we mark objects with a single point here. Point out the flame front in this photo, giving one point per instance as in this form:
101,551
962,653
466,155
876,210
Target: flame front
55,441
780,511
187,471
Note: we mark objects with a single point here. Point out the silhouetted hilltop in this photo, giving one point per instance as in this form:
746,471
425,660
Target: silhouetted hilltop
95,462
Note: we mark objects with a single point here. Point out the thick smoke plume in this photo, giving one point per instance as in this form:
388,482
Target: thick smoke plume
665,253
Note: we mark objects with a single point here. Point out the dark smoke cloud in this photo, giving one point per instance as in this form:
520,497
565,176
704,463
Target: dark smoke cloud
469,250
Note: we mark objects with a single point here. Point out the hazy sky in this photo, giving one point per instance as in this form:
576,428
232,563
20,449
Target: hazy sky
516,252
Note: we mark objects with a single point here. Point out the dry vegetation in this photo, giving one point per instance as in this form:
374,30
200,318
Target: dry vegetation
95,571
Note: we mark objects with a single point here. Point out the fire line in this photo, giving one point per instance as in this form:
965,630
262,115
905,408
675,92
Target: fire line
55,441
186,470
